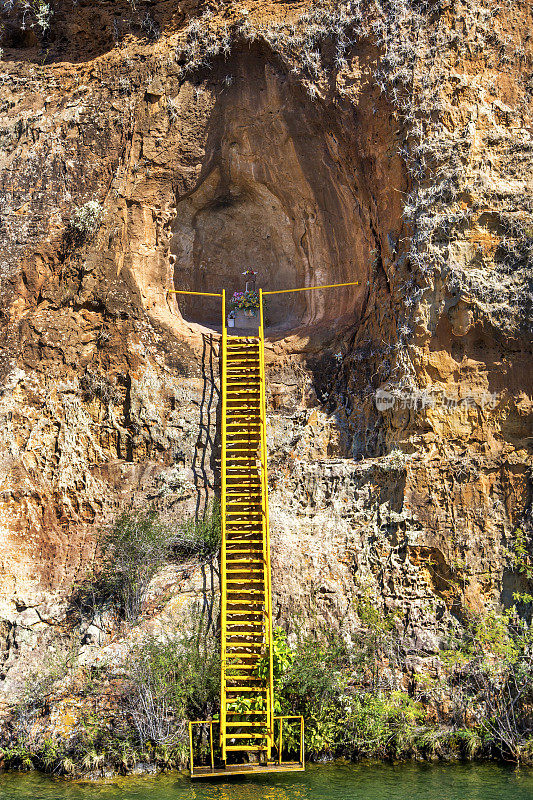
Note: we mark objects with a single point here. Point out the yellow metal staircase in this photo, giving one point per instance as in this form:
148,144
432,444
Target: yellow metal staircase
246,689
246,716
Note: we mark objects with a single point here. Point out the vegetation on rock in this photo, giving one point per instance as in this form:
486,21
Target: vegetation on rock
133,549
412,119
475,703
87,219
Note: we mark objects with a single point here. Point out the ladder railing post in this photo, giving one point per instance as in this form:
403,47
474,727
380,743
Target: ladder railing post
266,534
191,750
223,606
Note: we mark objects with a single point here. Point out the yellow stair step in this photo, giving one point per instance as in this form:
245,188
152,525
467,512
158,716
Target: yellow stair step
253,558
234,497
250,748
242,368
246,713
245,572
250,626
239,394
246,724
246,646
251,484
237,603
248,582
244,541
244,527
240,425
248,689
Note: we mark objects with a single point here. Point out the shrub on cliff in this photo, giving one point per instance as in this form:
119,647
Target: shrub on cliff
37,12
94,383
129,553
323,678
85,221
43,14
172,679
199,536
133,549
490,677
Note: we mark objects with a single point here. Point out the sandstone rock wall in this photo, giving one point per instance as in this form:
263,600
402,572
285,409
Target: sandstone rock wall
388,143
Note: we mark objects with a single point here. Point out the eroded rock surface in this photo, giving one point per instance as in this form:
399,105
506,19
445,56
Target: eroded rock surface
318,144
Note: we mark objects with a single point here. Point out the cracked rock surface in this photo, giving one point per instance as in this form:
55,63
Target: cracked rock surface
399,410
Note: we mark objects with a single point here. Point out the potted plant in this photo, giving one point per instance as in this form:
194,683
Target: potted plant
231,319
245,301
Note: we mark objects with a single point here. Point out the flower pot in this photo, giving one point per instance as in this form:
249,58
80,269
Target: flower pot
231,322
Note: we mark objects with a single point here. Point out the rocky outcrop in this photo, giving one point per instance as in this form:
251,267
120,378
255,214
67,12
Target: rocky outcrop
319,143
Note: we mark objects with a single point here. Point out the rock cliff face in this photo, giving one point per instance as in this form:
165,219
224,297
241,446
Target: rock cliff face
382,142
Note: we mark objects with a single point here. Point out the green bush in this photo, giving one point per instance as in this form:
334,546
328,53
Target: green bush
170,680
315,673
87,219
128,555
489,670
131,551
199,537
321,678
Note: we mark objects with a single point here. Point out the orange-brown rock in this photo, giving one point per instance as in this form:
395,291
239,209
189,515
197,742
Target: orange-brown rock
318,144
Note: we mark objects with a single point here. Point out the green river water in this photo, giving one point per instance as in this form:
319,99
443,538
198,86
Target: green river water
319,782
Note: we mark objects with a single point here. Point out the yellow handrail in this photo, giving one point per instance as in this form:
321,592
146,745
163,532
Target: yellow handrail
310,288
191,753
206,294
266,537
209,722
223,610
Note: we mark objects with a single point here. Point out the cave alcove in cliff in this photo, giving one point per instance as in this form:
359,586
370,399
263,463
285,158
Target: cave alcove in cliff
282,190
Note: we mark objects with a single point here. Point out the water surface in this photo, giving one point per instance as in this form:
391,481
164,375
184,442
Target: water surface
319,782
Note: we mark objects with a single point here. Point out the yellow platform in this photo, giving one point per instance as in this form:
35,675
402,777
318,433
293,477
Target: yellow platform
247,769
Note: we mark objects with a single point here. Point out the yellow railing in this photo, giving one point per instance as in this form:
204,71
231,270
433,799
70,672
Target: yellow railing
271,719
311,288
206,294
261,295
279,758
302,737
266,528
209,722
223,576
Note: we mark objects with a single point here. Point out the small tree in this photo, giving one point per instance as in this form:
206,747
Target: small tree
132,551
172,678
491,673
502,672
